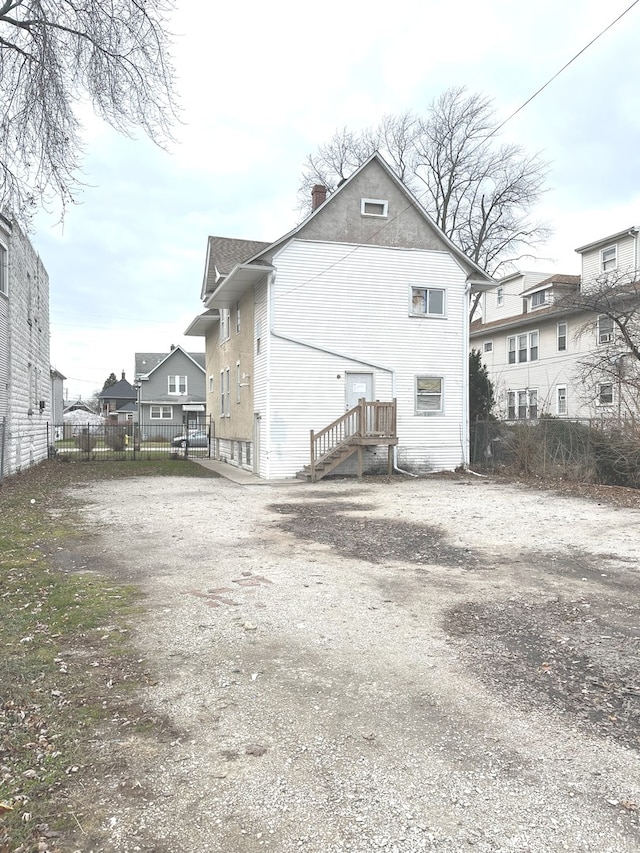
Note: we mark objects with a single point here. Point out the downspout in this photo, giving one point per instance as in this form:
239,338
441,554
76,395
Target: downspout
464,427
318,348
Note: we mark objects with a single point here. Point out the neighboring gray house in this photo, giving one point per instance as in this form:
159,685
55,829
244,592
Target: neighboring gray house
118,402
171,391
25,378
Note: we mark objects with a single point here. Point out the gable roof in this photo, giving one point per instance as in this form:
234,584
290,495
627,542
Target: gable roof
147,362
120,390
612,238
252,268
223,254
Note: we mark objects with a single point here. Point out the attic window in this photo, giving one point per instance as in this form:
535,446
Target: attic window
538,298
373,207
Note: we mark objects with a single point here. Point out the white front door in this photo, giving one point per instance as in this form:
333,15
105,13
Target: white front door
359,385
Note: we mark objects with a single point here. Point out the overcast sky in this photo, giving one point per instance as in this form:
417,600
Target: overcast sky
262,85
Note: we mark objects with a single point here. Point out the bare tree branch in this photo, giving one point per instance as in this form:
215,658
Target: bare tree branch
612,299
56,54
481,194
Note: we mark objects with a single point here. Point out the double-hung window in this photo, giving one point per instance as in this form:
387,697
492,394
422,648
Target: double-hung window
609,258
522,348
427,302
177,384
429,395
561,400
522,404
562,337
161,413
225,322
4,270
605,329
500,296
605,394
538,298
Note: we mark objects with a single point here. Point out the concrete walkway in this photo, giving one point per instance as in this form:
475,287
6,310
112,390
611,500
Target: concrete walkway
236,475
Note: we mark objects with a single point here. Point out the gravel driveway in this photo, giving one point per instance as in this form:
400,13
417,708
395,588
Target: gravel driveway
439,664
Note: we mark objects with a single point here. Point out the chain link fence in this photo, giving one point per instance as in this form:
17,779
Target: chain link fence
589,451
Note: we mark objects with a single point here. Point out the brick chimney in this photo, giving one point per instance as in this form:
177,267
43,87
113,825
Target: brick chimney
318,195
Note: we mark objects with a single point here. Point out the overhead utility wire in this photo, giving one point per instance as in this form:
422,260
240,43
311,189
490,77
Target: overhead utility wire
493,132
564,67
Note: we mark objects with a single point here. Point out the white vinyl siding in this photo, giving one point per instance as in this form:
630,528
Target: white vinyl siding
316,287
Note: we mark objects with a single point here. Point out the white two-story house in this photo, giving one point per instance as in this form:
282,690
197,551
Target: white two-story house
539,345
354,326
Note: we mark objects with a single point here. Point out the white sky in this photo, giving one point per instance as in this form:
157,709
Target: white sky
262,85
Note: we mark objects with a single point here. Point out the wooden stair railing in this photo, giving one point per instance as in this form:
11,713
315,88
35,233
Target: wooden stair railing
368,423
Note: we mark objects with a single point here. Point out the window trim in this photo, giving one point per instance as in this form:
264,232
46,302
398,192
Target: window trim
603,263
225,325
4,268
607,337
515,395
177,384
487,346
162,409
599,400
427,290
559,336
562,394
500,296
514,355
427,395
544,302
385,207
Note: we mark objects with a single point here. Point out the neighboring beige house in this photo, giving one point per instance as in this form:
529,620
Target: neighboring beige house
534,349
25,378
353,325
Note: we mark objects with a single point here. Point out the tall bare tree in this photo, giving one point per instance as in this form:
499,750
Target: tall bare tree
58,54
479,192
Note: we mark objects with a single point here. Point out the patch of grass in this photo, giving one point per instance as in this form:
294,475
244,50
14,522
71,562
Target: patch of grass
66,664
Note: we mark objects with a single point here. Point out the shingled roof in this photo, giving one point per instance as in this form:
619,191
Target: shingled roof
223,254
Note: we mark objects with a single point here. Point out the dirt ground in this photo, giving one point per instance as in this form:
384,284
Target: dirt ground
438,664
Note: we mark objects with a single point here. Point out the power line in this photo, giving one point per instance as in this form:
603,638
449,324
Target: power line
564,67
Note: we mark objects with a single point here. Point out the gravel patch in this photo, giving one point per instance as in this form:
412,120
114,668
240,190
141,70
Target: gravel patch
439,664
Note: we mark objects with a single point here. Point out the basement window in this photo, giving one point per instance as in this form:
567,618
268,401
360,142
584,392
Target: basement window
374,207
